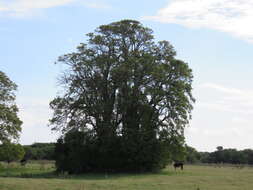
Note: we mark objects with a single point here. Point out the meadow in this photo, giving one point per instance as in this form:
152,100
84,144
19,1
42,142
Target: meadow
40,176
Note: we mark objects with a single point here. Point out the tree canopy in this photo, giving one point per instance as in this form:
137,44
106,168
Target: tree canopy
228,156
10,152
39,151
126,96
10,124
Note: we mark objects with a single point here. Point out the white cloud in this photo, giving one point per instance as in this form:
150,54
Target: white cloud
27,7
221,88
35,114
229,99
231,96
222,116
24,8
231,16
96,4
240,120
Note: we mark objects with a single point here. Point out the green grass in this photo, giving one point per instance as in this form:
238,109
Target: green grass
40,176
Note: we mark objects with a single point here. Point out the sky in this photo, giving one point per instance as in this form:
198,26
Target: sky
215,37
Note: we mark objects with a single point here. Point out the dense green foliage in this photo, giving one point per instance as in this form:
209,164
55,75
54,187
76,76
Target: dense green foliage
11,152
39,151
126,102
231,156
10,124
226,156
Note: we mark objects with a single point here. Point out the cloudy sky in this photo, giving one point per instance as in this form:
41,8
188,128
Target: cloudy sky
214,36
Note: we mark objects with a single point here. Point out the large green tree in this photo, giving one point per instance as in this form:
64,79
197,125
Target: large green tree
10,124
129,94
10,152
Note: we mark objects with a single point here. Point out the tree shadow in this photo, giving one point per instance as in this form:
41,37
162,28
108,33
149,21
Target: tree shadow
86,176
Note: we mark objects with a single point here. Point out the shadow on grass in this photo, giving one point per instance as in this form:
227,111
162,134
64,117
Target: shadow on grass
88,176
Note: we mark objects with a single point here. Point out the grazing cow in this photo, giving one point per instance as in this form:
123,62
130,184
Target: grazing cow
178,164
23,162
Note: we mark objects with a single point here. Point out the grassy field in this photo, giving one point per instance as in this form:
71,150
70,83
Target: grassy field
40,176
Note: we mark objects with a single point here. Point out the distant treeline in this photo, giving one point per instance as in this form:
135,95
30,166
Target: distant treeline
39,151
228,156
45,151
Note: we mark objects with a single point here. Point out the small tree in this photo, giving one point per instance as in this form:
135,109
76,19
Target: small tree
11,152
219,148
125,96
10,124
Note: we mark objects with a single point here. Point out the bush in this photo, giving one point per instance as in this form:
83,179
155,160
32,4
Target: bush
11,152
39,151
80,152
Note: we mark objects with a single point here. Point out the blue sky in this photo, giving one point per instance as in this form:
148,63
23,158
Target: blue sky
214,36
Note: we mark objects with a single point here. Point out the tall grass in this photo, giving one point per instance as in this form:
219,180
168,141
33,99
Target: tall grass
33,168
33,176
